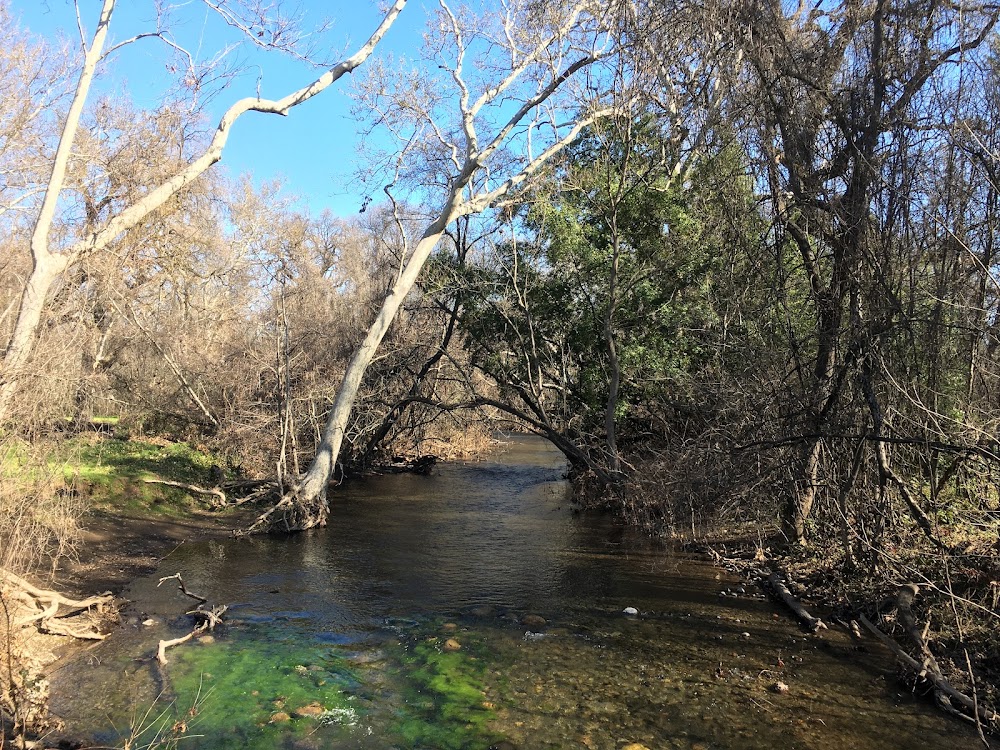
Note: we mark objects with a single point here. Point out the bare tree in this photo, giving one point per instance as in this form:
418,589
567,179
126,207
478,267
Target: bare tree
837,85
50,262
521,85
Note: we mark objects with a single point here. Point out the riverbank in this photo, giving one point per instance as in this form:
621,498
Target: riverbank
116,549
945,646
573,632
121,547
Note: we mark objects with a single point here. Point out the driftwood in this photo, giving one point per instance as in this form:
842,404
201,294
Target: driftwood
941,686
207,618
49,607
781,590
222,499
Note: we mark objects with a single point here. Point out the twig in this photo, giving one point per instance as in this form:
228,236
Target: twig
182,587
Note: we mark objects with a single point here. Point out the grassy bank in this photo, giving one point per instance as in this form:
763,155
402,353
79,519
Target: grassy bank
80,514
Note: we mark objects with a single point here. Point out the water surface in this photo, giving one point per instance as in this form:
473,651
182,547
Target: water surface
343,637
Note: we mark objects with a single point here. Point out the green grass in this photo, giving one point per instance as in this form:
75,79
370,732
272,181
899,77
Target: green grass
136,459
111,472
104,473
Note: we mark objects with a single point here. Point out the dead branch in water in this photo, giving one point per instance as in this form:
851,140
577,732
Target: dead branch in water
207,618
943,690
781,590
182,587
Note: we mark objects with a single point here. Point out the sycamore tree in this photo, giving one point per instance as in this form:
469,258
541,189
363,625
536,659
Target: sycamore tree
62,232
495,95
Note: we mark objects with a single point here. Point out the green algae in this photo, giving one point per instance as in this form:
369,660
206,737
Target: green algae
446,705
250,691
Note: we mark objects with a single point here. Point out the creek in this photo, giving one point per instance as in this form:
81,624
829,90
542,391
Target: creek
414,620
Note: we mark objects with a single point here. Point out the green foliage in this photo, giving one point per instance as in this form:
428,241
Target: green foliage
614,247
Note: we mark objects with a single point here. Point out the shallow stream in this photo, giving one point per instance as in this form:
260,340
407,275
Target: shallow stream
474,609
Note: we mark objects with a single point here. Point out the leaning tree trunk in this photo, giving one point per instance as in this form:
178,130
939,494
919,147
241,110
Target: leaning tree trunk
49,265
45,271
306,506
46,266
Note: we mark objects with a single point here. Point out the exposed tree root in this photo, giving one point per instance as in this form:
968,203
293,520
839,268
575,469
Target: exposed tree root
45,607
26,611
781,591
290,513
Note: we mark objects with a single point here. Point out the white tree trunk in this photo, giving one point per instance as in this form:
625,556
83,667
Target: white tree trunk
306,505
47,266
45,270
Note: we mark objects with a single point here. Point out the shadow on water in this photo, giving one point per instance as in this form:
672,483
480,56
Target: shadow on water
470,609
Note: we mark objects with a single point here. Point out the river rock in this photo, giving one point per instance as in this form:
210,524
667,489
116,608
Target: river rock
312,709
452,645
366,658
635,746
449,627
533,621
279,717
631,611
485,611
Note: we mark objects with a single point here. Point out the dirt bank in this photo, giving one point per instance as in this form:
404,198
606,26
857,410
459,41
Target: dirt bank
115,549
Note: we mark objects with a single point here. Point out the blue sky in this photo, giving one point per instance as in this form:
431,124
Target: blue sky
315,149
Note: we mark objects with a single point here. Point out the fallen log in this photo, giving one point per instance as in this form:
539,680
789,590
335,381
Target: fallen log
222,499
813,624
940,684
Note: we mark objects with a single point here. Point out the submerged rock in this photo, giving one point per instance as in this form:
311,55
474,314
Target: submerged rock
485,611
533,621
452,645
312,709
